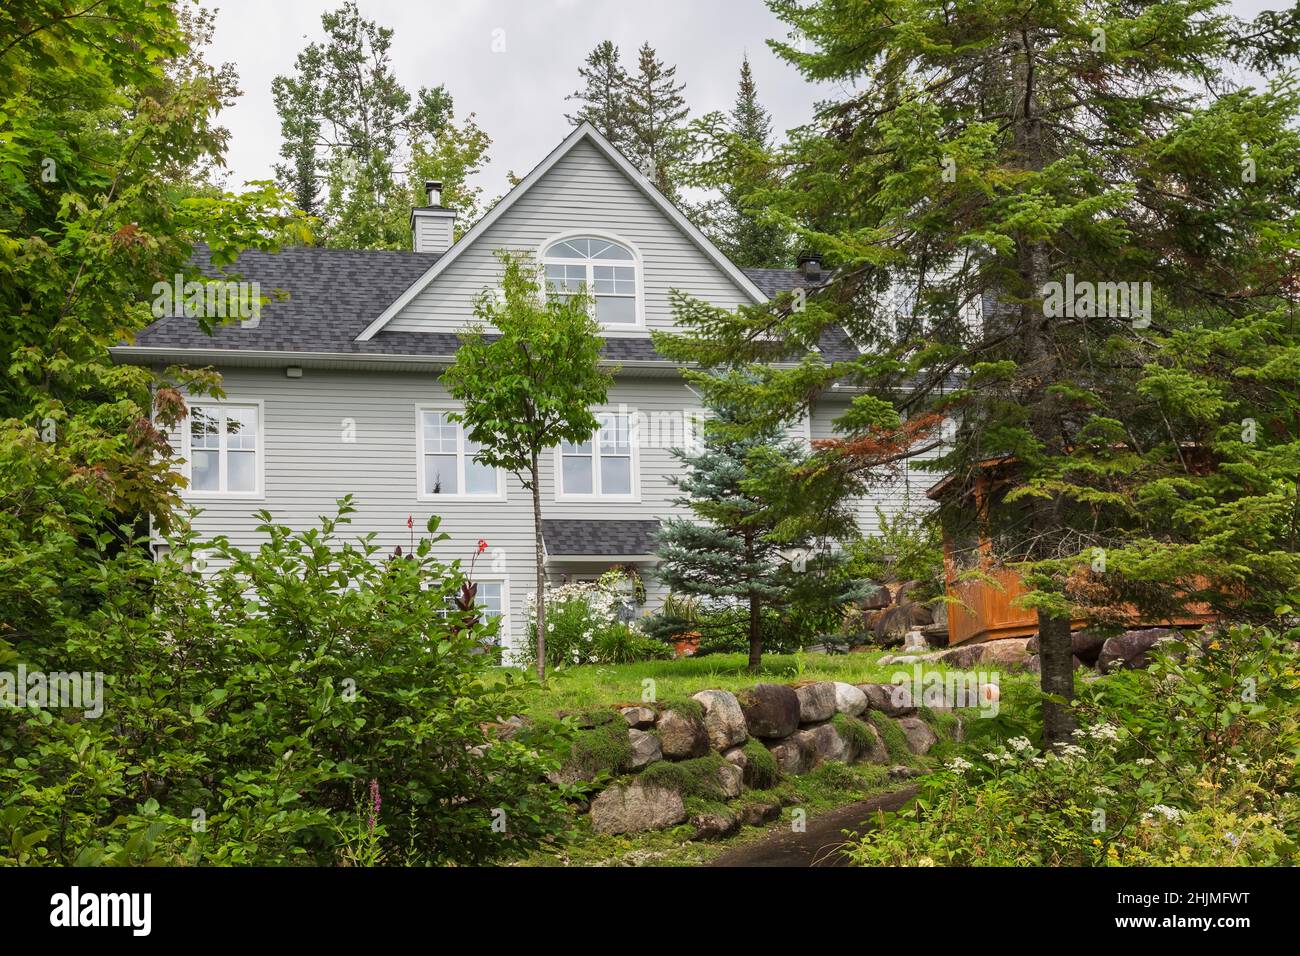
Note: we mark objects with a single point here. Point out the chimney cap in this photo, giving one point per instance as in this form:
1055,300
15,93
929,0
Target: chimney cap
433,191
810,263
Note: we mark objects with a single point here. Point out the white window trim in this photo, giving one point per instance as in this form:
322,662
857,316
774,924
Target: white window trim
634,440
503,628
259,454
637,326
461,457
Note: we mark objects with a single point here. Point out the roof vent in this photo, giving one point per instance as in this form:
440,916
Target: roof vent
433,189
810,264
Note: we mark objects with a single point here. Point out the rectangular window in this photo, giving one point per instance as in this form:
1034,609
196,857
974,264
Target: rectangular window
603,466
447,461
223,449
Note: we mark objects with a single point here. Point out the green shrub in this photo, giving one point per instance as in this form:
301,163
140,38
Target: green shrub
247,714
583,627
893,736
1191,761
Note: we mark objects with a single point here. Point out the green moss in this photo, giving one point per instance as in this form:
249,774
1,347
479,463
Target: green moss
762,771
604,748
690,778
944,722
684,706
893,736
855,733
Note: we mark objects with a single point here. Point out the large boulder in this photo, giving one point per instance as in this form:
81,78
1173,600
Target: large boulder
1131,649
892,625
870,747
757,812
714,826
724,721
682,736
1035,664
892,700
792,754
730,778
1008,652
771,710
823,743
920,738
1085,644
849,700
877,599
639,717
636,807
645,749
816,702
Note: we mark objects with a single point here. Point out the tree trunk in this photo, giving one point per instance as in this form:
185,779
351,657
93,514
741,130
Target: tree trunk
755,614
1040,369
541,572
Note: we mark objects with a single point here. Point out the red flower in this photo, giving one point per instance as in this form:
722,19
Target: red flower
410,521
482,545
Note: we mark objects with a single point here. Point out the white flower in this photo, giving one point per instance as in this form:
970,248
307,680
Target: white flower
1104,732
959,766
1019,744
1170,814
1144,761
1071,752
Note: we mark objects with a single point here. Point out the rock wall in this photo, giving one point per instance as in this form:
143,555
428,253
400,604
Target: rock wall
799,727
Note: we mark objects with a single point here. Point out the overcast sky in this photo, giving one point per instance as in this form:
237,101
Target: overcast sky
517,93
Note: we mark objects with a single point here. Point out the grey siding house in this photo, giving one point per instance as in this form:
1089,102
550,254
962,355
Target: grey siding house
335,388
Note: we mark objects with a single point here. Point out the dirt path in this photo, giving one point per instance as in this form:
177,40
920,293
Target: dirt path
817,845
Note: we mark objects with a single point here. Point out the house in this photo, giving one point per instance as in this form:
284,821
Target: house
335,388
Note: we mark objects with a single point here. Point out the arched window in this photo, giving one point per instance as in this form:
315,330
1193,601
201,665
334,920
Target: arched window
607,268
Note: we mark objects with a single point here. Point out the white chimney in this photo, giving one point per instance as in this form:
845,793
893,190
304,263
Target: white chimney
431,225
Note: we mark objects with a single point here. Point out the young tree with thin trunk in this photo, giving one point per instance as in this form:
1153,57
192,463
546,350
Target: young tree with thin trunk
743,544
528,376
990,157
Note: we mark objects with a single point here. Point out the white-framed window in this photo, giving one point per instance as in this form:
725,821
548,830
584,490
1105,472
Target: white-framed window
447,467
223,449
605,465
493,598
609,269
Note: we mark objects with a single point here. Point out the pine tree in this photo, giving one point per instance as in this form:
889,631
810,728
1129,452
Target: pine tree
741,546
991,158
656,110
738,230
603,98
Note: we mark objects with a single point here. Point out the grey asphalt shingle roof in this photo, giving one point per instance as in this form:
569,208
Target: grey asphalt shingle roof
322,299
570,536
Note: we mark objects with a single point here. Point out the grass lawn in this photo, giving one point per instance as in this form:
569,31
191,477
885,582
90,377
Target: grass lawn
590,686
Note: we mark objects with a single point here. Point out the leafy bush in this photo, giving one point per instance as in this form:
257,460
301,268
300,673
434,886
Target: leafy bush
246,715
1191,761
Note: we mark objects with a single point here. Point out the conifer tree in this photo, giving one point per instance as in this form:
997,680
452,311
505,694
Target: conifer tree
1095,218
656,110
603,97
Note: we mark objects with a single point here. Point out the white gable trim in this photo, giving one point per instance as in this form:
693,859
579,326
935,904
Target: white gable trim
584,132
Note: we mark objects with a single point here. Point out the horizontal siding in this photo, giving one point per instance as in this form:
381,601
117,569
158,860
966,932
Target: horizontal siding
897,488
583,190
307,465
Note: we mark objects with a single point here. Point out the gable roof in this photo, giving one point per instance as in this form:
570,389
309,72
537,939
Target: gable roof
584,133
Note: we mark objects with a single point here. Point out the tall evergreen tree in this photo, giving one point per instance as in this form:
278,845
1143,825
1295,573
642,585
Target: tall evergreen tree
741,544
656,142
992,158
739,228
603,97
